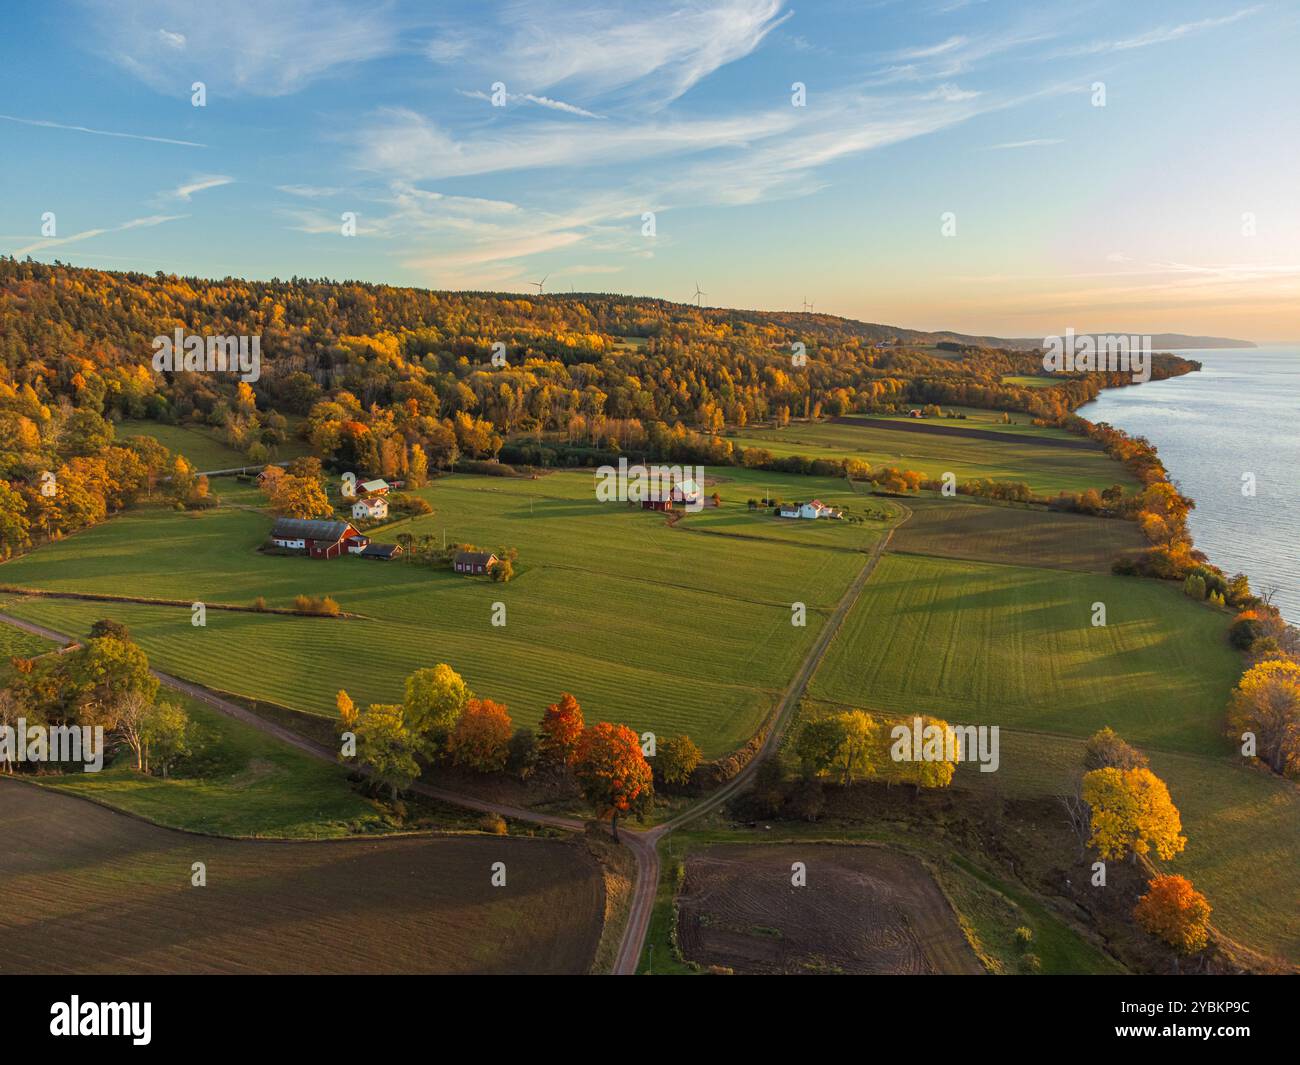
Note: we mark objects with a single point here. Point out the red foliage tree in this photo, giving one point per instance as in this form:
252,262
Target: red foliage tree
612,772
560,731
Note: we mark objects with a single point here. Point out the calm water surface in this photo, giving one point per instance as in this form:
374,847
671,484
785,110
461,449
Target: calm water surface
1240,414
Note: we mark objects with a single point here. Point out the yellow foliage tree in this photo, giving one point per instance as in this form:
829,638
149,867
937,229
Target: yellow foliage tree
347,710
930,766
1266,704
300,497
1132,813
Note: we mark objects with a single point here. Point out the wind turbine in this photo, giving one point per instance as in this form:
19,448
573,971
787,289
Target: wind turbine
539,284
698,293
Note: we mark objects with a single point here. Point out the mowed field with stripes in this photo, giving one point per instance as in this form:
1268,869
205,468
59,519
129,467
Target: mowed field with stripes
930,447
1013,645
646,624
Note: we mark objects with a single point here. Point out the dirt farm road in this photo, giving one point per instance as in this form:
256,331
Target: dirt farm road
643,844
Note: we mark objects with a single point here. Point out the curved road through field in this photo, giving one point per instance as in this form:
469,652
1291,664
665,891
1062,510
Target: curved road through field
643,844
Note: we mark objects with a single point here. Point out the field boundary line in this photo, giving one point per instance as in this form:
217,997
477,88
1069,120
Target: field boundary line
105,597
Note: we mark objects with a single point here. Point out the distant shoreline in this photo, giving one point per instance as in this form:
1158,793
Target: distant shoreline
1168,472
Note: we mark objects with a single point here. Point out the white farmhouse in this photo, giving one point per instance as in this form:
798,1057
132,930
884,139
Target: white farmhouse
811,510
373,508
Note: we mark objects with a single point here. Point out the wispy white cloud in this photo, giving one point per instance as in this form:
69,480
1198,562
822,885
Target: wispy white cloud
244,47
663,50
310,192
723,162
946,47
792,165
200,184
402,143
1037,142
1161,35
528,97
952,93
954,56
87,234
100,132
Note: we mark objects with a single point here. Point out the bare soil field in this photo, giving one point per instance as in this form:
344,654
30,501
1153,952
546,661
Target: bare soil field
985,532
864,910
88,890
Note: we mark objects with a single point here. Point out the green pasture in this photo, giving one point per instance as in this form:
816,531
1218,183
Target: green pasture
645,623
1016,647
1046,469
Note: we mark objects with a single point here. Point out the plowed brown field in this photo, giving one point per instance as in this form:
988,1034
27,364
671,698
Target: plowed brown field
86,890
864,910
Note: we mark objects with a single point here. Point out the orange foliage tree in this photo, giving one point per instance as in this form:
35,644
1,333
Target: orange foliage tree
481,738
612,772
560,731
1176,912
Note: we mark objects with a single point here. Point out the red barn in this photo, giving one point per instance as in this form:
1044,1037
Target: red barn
474,562
319,539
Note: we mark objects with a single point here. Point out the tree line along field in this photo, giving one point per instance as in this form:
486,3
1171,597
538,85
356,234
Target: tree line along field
646,624
89,890
1012,646
1045,468
979,531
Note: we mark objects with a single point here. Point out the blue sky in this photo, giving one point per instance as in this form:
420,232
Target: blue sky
1172,207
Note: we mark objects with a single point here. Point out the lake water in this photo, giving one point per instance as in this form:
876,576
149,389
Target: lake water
1240,414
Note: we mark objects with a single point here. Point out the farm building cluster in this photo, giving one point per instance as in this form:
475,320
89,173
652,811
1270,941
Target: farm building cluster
683,493
371,506
327,539
332,539
813,509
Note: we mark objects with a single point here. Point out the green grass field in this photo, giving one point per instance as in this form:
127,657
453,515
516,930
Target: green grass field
240,782
1030,381
200,444
1015,647
646,624
1018,424
14,643
1046,469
